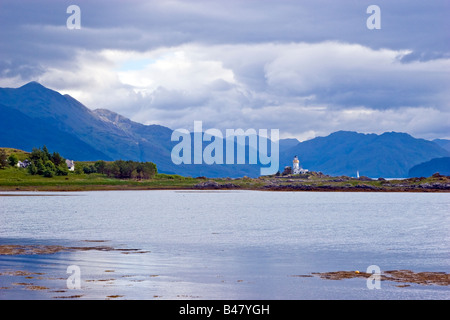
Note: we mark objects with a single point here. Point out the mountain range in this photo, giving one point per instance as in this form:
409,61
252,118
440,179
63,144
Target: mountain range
33,116
428,168
389,155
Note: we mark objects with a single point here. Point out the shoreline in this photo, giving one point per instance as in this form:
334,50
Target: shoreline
222,187
17,180
62,190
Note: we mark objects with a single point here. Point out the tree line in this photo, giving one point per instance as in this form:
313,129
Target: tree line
47,164
42,162
121,169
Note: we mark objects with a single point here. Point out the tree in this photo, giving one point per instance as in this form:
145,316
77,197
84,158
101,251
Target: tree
100,166
3,159
46,154
112,169
13,160
49,169
37,154
48,173
57,159
78,169
39,167
146,170
62,170
32,169
88,169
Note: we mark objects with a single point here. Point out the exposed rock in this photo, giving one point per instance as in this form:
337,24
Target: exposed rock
404,276
207,185
214,185
439,186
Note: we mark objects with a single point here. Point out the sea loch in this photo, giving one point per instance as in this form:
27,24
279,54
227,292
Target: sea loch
221,244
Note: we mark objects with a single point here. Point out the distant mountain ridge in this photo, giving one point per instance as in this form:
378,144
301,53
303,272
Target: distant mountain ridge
41,115
443,143
426,169
34,115
390,154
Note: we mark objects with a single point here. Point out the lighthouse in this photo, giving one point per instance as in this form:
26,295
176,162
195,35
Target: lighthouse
295,166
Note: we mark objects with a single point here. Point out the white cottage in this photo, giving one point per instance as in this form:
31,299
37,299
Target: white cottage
23,164
70,165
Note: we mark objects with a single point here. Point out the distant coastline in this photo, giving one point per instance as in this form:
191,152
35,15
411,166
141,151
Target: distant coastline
17,180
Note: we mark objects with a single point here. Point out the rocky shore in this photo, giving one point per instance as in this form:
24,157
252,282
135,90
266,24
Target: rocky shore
319,182
406,277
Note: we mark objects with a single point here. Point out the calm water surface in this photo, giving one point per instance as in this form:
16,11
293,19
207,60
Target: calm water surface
223,245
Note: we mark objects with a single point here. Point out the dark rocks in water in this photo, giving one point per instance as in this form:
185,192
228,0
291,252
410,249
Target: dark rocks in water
214,185
207,185
433,186
365,186
403,276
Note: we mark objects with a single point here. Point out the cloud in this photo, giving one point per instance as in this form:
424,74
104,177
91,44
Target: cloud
305,67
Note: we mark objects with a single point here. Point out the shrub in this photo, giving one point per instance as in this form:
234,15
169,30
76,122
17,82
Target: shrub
3,159
49,169
13,160
62,170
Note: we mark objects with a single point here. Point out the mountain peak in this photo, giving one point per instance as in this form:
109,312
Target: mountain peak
35,87
33,84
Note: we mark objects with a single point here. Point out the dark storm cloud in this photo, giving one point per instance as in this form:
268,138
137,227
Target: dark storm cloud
141,25
288,56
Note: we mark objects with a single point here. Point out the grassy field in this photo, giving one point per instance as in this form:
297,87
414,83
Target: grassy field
21,155
19,179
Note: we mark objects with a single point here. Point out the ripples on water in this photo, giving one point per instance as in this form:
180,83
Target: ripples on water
223,245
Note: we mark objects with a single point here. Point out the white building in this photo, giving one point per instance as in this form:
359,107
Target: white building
23,164
70,165
296,168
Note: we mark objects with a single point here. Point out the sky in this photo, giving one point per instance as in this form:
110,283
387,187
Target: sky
307,68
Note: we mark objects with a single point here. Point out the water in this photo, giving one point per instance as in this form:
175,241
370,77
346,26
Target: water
223,245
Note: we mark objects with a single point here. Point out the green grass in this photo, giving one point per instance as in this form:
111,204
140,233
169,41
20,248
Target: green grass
21,155
19,179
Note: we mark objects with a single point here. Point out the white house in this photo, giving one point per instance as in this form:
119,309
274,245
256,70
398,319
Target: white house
70,165
23,164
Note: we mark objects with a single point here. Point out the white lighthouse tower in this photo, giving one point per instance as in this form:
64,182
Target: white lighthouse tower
295,166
